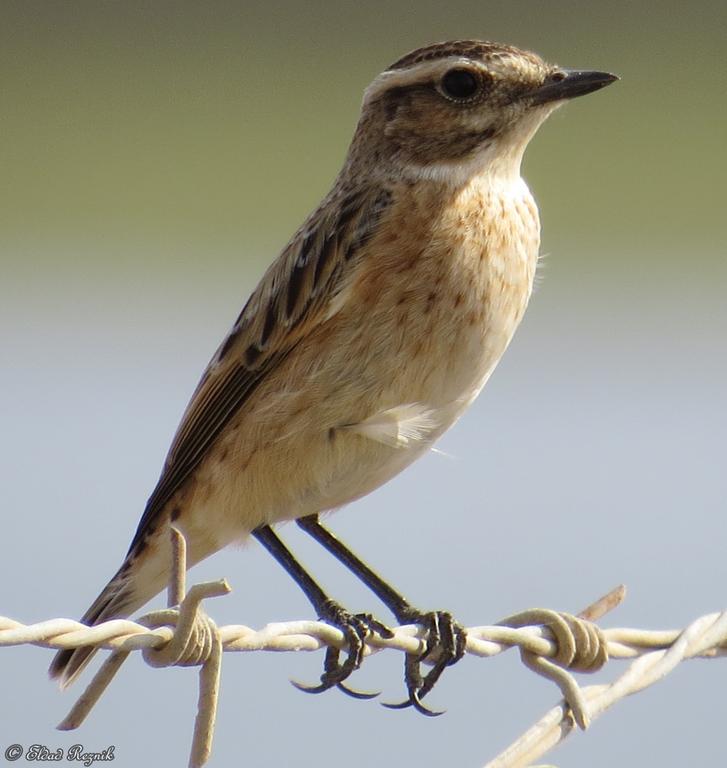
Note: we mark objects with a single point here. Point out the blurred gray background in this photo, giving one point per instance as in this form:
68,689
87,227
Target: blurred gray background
155,157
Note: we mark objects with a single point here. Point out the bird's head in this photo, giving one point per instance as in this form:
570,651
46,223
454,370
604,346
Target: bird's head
452,108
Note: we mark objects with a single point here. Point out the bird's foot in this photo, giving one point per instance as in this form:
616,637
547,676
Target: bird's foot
444,643
356,628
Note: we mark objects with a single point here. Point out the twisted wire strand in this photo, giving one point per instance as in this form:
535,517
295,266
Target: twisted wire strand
307,635
553,644
706,637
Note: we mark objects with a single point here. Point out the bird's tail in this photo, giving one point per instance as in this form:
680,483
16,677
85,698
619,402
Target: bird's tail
116,601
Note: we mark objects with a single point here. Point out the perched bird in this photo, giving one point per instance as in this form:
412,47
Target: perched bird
367,337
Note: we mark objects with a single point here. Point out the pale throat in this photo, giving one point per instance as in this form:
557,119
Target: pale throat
499,159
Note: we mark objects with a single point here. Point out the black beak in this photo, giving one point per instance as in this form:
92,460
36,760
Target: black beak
568,83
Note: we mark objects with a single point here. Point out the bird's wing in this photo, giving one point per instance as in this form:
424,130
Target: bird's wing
292,299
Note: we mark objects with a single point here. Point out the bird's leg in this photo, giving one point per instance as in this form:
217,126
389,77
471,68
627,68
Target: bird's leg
445,639
355,627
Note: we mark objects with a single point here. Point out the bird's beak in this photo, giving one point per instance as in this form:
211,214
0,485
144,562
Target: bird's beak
569,83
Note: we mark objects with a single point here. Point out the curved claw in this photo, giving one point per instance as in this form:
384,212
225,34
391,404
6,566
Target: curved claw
333,672
415,702
415,685
400,705
364,695
457,650
320,688
444,639
356,628
332,677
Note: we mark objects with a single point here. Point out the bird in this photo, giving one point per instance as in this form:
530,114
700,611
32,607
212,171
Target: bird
365,340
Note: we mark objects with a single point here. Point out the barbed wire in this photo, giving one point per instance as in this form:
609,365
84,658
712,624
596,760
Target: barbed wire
553,644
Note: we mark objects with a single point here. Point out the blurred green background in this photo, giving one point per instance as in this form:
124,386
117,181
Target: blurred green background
212,128
155,157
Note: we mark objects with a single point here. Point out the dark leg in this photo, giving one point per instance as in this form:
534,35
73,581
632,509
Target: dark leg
355,627
443,635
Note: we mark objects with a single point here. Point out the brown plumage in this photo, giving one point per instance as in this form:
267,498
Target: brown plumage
376,326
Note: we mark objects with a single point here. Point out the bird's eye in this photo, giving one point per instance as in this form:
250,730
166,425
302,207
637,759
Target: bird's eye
460,84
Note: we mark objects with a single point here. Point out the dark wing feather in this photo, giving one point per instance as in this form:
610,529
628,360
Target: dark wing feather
290,301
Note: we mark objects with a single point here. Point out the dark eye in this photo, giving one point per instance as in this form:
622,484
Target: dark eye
460,84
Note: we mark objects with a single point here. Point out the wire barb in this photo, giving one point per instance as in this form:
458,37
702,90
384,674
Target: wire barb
553,644
195,641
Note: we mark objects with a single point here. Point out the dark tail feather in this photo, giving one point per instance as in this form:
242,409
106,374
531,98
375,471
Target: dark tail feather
113,603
